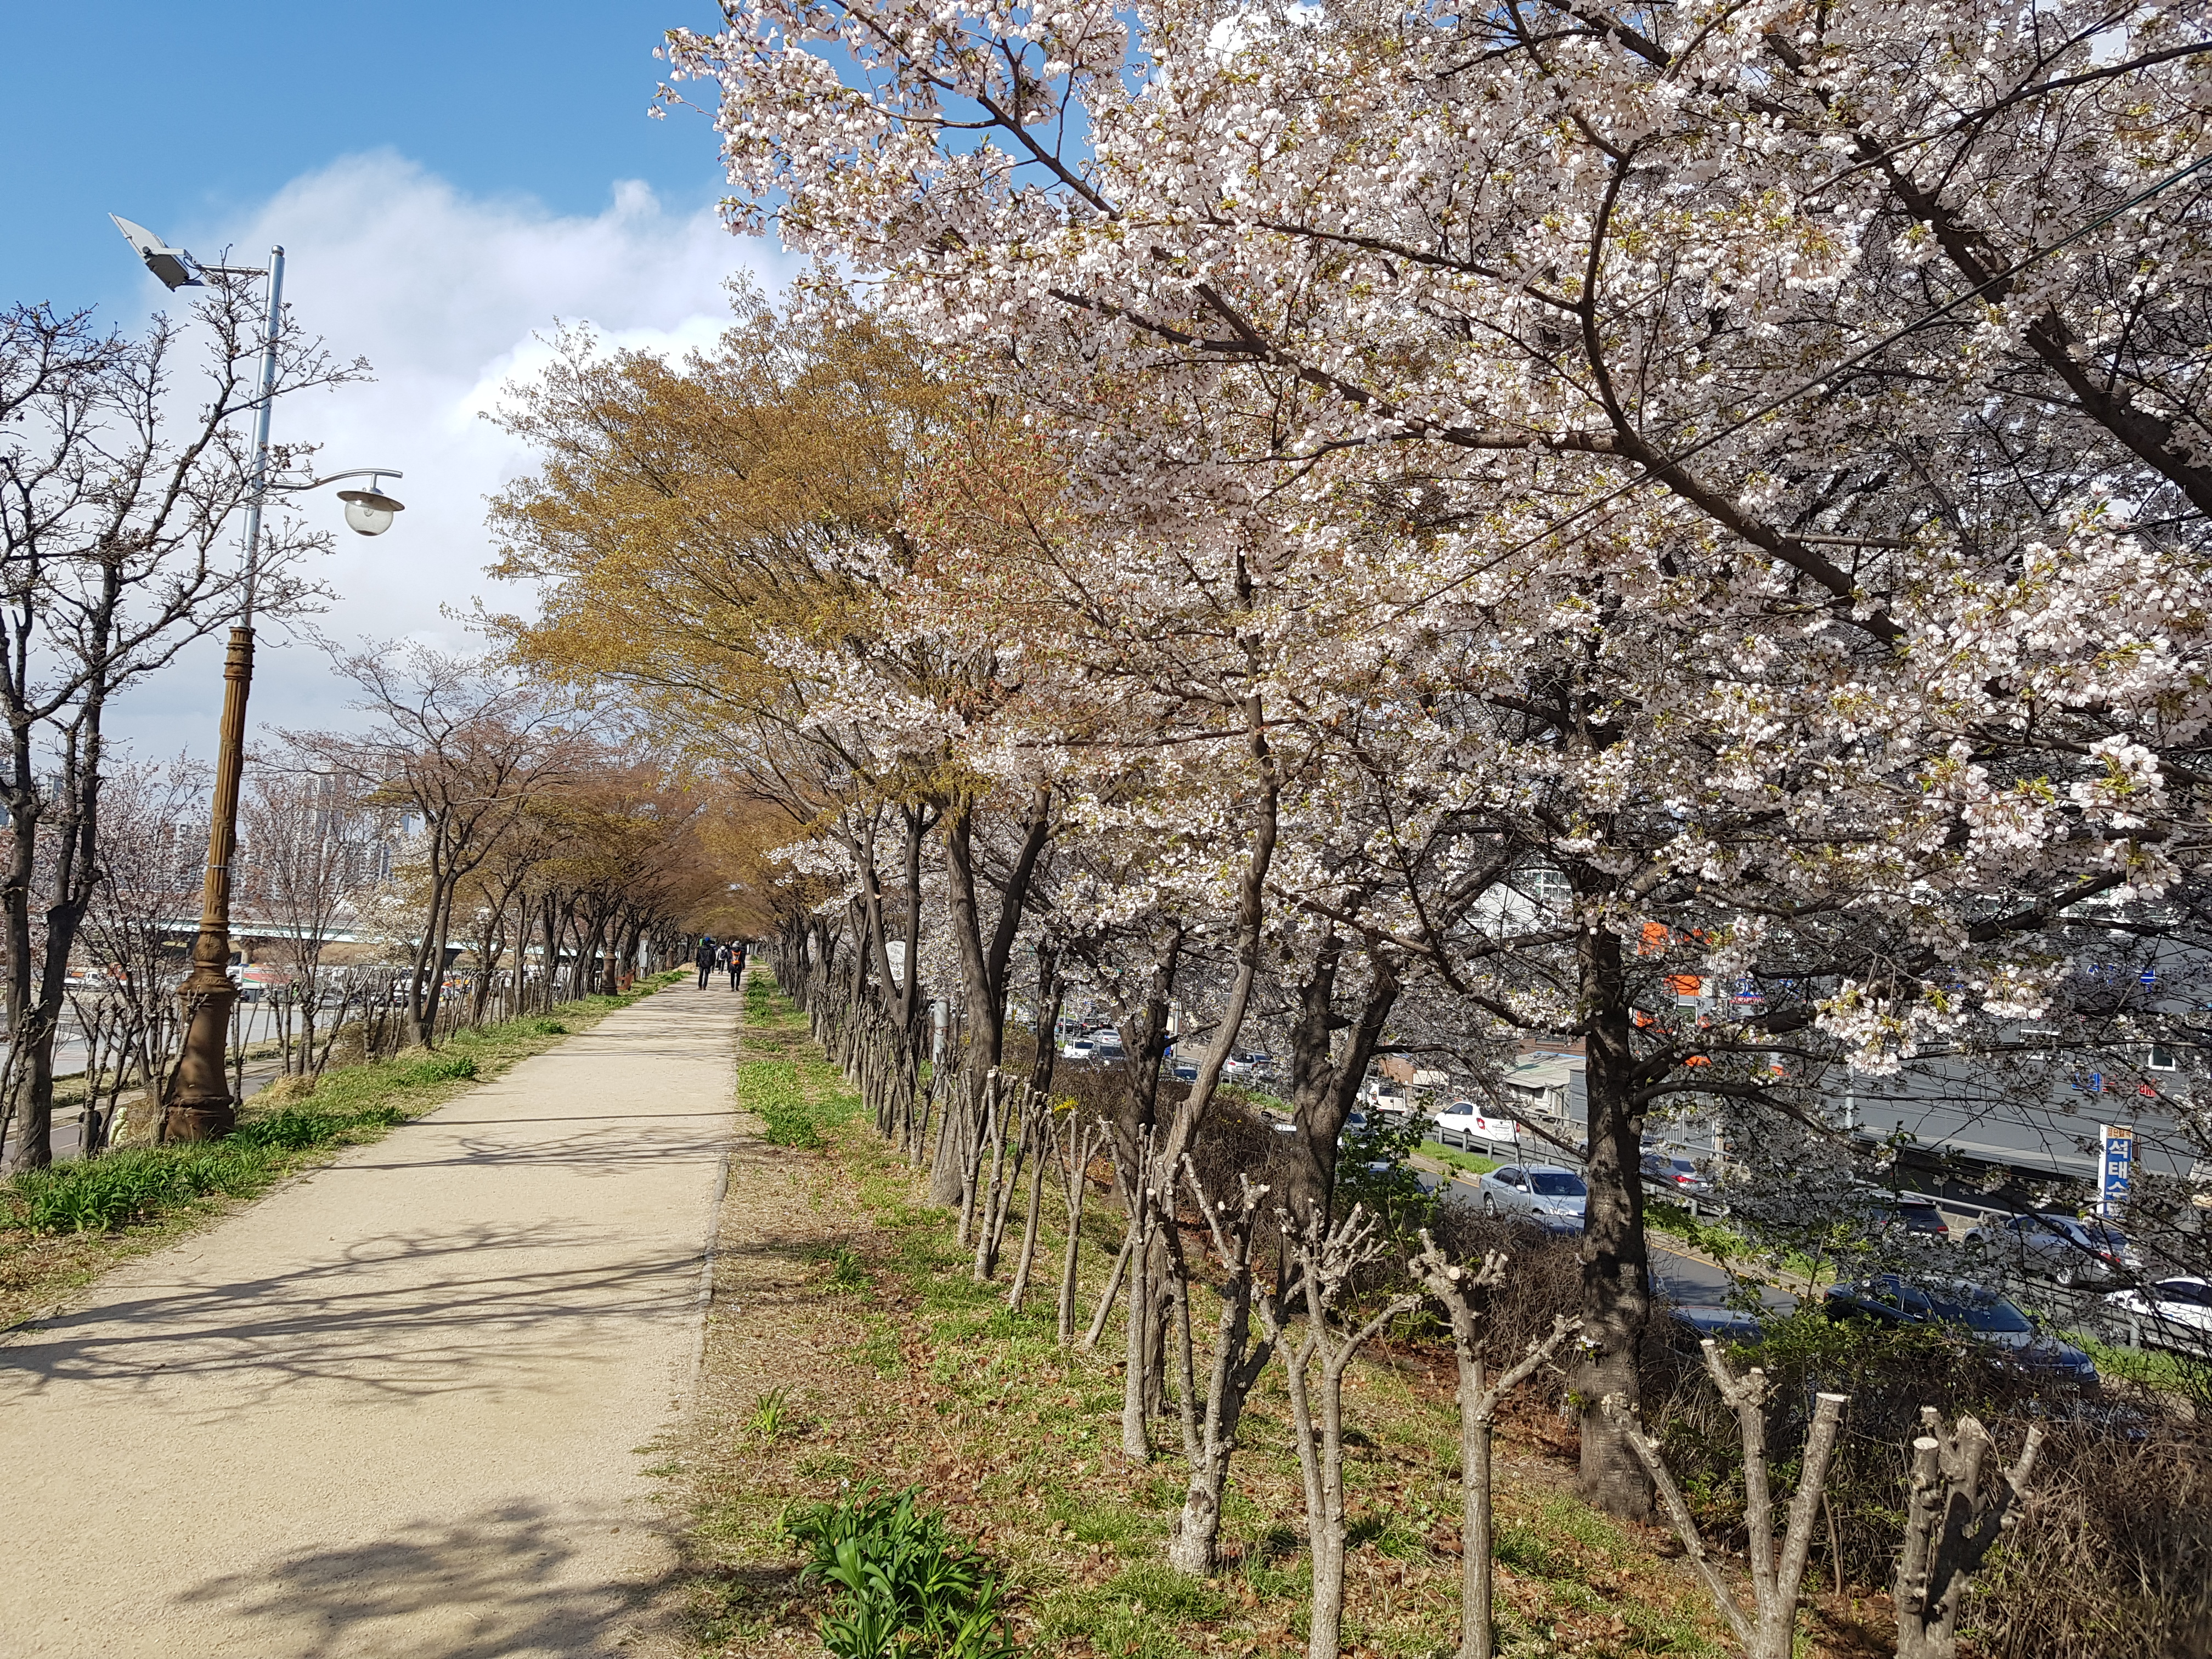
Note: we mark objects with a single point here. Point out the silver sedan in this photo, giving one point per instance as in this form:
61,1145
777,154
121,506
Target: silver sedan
1546,1193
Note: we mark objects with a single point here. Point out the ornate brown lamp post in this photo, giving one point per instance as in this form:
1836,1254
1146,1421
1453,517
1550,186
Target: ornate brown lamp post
197,1105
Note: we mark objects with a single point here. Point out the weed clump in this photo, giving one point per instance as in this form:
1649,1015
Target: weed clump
448,1067
848,1272
906,1585
772,1414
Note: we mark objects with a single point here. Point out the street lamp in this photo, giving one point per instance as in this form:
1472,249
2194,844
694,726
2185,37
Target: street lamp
197,1103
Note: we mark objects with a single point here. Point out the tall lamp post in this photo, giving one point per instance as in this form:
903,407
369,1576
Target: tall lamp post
197,1103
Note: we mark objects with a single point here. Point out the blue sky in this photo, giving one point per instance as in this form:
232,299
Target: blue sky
449,180
196,112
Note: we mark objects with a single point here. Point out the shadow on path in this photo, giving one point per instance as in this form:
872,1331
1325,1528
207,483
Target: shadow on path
494,1582
408,1315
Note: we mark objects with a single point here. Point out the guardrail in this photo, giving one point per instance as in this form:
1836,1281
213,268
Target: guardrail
1546,1152
2061,1306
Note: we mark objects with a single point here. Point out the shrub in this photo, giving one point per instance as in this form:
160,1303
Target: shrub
2113,1555
1543,1279
906,1586
1372,1171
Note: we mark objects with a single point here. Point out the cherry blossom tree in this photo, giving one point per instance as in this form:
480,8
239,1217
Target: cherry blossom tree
1750,459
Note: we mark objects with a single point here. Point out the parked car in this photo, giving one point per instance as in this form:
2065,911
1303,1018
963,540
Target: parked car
1717,1320
1388,1099
1464,1121
1677,1172
1888,1299
1183,1070
1248,1067
1079,1050
2173,1313
1545,1193
1906,1213
2063,1247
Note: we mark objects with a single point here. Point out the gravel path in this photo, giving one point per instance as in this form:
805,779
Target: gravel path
395,1408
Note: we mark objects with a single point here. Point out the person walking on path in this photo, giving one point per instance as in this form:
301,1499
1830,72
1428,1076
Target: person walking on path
737,962
706,958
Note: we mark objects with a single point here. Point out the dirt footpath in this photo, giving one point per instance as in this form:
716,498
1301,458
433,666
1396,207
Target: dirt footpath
395,1409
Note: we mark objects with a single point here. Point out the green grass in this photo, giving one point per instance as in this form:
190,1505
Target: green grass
1135,1612
1019,1439
2148,1368
1473,1162
798,1095
138,1186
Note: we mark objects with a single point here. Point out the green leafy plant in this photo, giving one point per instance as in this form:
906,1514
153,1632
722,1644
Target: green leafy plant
906,1587
135,1183
847,1272
1373,1171
772,1414
296,1128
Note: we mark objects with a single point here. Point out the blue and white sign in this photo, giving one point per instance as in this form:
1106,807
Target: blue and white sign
2115,1167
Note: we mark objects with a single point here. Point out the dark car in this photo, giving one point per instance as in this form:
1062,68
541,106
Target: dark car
1723,1323
1888,1299
1907,1213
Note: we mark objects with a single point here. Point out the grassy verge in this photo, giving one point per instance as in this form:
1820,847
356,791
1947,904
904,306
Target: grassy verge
850,1343
2148,1368
1473,1162
60,1227
1725,1245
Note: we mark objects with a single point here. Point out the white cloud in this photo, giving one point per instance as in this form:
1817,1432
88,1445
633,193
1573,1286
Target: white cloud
443,294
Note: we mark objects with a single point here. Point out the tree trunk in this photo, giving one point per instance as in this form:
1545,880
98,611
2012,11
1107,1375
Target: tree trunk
1043,1132
1464,1293
1959,1503
1082,1145
1107,1297
1616,1301
1325,1074
1325,1256
1136,1435
1237,1365
983,963
34,1143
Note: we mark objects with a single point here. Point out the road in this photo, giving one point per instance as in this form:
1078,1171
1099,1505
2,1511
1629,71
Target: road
69,1061
395,1406
1687,1280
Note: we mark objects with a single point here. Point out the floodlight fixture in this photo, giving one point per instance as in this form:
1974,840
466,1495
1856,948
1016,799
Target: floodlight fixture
172,264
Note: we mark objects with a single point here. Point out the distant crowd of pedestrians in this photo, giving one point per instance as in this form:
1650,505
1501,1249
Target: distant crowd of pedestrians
715,958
